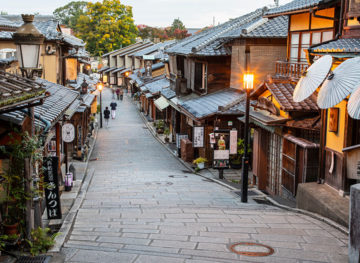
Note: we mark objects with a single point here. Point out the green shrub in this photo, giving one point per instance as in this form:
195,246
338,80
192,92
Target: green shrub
41,241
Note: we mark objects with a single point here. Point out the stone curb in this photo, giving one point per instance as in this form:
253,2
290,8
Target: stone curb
295,210
70,217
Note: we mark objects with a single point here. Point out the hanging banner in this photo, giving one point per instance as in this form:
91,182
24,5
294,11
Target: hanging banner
233,142
198,137
52,197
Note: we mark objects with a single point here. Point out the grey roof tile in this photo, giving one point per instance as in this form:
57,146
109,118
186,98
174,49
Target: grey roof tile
296,5
204,106
157,85
157,47
343,45
73,41
168,93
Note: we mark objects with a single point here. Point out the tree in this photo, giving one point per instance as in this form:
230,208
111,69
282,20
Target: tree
178,30
69,14
106,26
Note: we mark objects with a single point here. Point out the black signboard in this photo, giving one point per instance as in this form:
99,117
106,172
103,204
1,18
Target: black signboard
52,196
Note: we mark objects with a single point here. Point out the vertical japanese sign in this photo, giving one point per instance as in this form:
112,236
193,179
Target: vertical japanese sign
233,142
179,137
198,137
52,196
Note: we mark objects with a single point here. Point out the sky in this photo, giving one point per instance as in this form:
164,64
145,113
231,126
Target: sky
160,13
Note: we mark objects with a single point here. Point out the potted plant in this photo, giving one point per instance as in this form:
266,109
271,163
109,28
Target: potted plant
167,133
236,160
160,127
200,162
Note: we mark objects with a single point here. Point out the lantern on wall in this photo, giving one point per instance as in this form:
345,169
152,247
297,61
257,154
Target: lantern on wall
28,41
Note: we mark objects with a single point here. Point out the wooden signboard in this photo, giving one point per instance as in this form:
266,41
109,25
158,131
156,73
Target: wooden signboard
52,197
334,119
198,137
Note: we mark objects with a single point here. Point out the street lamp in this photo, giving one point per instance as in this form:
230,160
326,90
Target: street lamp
100,87
248,86
28,41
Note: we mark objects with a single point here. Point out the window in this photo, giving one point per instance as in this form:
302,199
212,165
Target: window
200,78
301,41
180,65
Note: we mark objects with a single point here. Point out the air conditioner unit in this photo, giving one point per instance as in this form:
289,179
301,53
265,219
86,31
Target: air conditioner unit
50,49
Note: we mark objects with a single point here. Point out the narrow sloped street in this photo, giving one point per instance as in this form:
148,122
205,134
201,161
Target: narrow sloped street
142,205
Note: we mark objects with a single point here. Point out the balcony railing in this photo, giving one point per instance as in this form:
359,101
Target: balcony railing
290,69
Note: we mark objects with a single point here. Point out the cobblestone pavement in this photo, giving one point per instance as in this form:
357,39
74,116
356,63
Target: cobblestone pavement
143,206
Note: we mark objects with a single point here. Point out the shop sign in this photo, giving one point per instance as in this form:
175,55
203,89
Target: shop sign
68,132
198,137
233,142
52,197
221,149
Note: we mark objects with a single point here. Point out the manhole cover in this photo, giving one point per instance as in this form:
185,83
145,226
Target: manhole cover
178,176
251,249
37,259
159,183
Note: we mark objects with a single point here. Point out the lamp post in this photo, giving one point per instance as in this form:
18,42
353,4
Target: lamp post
100,87
28,41
248,86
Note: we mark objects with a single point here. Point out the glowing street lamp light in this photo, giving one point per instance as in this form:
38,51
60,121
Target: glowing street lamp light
248,86
100,87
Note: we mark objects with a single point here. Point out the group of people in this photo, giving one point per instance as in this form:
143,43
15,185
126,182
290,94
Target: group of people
120,95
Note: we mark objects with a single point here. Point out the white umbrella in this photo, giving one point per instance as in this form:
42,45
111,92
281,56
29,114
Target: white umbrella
312,78
354,104
339,84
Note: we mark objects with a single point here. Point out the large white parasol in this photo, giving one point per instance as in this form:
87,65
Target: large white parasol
312,78
339,83
354,104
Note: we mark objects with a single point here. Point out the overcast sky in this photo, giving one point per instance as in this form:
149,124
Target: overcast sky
193,13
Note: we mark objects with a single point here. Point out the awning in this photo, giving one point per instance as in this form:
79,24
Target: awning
161,103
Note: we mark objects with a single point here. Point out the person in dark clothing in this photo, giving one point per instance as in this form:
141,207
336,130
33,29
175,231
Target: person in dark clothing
121,94
113,106
106,116
118,93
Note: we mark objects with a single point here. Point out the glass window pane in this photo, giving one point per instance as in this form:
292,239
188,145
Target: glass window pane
327,36
316,38
295,39
305,39
294,53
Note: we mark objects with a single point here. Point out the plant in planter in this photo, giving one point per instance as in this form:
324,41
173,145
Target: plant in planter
160,127
41,241
236,160
200,162
167,133
14,199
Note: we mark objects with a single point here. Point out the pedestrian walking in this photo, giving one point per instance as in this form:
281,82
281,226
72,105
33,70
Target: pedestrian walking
121,94
118,94
106,116
113,106
113,93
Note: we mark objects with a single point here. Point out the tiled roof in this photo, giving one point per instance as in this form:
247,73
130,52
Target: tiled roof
87,99
343,45
15,91
204,106
153,67
109,69
53,107
7,61
127,49
103,69
154,48
49,29
168,93
4,22
210,41
79,80
78,53
117,70
157,85
73,41
5,35
296,5
72,109
262,28
283,93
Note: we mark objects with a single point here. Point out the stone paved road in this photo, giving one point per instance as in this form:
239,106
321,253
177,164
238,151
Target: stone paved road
142,206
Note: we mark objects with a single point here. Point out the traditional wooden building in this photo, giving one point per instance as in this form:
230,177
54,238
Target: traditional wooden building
206,70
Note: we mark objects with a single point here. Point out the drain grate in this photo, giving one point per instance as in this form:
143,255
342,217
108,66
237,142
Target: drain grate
178,176
250,193
37,259
251,249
